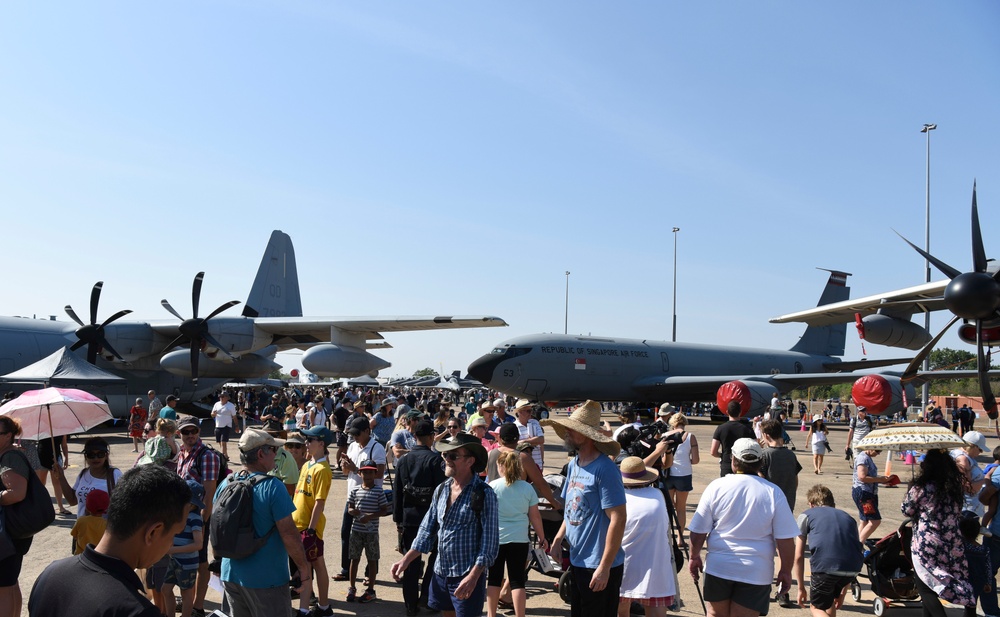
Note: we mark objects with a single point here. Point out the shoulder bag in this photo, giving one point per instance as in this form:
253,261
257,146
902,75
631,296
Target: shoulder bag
33,513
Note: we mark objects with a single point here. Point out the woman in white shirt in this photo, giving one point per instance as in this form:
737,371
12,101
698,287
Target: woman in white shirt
99,475
818,439
680,472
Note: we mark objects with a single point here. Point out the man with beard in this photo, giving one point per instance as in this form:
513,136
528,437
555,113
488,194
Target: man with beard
463,516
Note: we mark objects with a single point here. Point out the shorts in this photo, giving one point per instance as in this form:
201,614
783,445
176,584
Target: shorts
177,575
10,568
867,503
513,556
678,483
824,589
441,595
222,434
754,597
157,573
664,601
364,541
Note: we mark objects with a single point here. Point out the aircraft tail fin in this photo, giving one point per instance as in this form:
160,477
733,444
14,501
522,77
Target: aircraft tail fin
275,290
827,340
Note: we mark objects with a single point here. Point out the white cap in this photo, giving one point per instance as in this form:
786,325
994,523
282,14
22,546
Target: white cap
748,450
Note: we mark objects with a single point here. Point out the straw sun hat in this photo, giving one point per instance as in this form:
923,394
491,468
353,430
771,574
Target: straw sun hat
635,472
586,420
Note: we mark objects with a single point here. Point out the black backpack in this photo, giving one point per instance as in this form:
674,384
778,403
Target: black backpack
223,464
231,525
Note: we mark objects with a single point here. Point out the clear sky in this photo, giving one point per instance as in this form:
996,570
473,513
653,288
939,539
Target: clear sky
458,158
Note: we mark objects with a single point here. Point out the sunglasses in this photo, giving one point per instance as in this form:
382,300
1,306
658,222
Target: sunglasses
192,431
451,426
95,454
452,456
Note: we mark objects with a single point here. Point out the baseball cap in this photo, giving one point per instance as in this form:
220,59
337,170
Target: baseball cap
975,438
254,438
423,428
197,493
369,464
188,421
97,502
319,432
358,426
747,450
509,432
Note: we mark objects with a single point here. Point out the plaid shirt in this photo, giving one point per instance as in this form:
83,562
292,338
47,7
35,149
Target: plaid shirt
209,466
462,541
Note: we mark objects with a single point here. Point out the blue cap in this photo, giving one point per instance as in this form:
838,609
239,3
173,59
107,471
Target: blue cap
197,493
321,432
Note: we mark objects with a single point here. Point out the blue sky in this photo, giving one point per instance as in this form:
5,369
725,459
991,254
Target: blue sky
458,158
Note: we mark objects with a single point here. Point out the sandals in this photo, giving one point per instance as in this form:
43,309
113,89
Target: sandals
340,576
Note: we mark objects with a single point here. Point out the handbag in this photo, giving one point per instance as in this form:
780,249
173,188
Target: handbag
33,513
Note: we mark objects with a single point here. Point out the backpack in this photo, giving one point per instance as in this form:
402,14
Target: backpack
231,525
223,464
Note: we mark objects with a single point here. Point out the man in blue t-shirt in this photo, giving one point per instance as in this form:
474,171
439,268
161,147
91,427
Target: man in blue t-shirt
258,585
832,536
594,514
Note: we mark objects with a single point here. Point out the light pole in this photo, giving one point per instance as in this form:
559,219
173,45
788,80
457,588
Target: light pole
925,391
673,335
566,318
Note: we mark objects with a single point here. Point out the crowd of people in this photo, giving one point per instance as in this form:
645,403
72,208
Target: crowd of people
465,486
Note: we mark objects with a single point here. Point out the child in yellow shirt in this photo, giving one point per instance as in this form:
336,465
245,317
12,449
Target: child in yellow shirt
90,527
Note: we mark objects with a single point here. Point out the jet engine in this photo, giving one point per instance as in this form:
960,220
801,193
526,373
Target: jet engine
246,366
991,334
881,394
329,360
754,396
894,332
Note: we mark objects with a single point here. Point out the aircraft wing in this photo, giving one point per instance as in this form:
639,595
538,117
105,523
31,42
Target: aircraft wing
291,332
899,303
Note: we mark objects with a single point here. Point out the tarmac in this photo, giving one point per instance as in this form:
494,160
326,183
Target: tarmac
54,542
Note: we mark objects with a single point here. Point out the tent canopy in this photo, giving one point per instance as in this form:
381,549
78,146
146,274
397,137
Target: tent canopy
63,368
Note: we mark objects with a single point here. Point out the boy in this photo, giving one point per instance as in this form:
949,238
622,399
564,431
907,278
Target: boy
781,466
310,500
832,536
366,504
183,568
90,527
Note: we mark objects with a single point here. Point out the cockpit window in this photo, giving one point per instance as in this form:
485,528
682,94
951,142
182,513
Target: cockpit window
514,352
498,351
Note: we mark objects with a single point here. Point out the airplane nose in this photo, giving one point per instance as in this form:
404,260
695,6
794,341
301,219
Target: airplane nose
482,369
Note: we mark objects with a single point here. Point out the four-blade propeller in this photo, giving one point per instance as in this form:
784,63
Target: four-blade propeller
195,329
973,296
92,334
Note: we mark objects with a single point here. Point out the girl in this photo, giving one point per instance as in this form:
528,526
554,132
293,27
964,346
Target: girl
818,434
136,420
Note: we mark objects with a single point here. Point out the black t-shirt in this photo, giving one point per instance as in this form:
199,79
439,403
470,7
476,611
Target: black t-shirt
727,433
90,584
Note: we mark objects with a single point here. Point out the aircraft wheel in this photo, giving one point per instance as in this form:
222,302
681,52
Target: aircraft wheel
856,591
879,607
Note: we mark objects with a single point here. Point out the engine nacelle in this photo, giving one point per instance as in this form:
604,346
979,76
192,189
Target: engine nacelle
754,396
246,366
894,332
881,394
991,335
238,335
132,340
329,360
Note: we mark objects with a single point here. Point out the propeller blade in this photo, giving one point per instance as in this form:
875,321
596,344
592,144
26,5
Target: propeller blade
978,252
72,314
195,352
92,352
114,317
214,343
77,345
224,307
196,293
911,369
95,299
170,309
940,265
983,368
174,343
107,347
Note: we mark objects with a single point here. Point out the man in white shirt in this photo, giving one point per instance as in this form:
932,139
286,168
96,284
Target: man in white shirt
530,430
224,412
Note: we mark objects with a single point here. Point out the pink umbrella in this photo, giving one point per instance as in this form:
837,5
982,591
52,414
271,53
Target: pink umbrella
56,411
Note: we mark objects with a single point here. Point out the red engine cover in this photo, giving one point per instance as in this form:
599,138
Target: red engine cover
734,391
873,392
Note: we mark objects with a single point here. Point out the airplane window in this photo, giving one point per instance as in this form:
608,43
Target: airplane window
515,352
498,351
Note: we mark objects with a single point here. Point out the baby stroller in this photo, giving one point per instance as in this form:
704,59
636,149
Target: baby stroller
890,571
787,439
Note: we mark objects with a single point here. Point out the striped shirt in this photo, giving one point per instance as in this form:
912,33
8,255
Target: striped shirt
188,561
368,501
462,541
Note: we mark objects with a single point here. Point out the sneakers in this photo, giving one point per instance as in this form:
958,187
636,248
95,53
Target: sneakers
785,602
367,596
352,594
321,612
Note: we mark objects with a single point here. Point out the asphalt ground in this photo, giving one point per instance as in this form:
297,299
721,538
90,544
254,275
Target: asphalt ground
54,542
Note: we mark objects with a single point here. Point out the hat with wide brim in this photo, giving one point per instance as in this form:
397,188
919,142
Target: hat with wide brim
470,443
522,403
635,472
586,420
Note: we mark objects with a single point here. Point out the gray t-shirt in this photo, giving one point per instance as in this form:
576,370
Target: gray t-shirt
832,536
861,428
782,467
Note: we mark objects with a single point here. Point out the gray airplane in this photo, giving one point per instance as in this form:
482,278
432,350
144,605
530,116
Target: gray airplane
169,355
560,368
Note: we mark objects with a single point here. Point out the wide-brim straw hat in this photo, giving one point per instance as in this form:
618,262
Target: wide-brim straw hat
470,443
586,420
521,404
635,472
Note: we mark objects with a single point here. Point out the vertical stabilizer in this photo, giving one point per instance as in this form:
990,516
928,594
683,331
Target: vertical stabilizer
275,291
827,340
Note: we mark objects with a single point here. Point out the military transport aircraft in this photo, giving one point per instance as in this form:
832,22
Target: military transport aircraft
548,367
169,355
